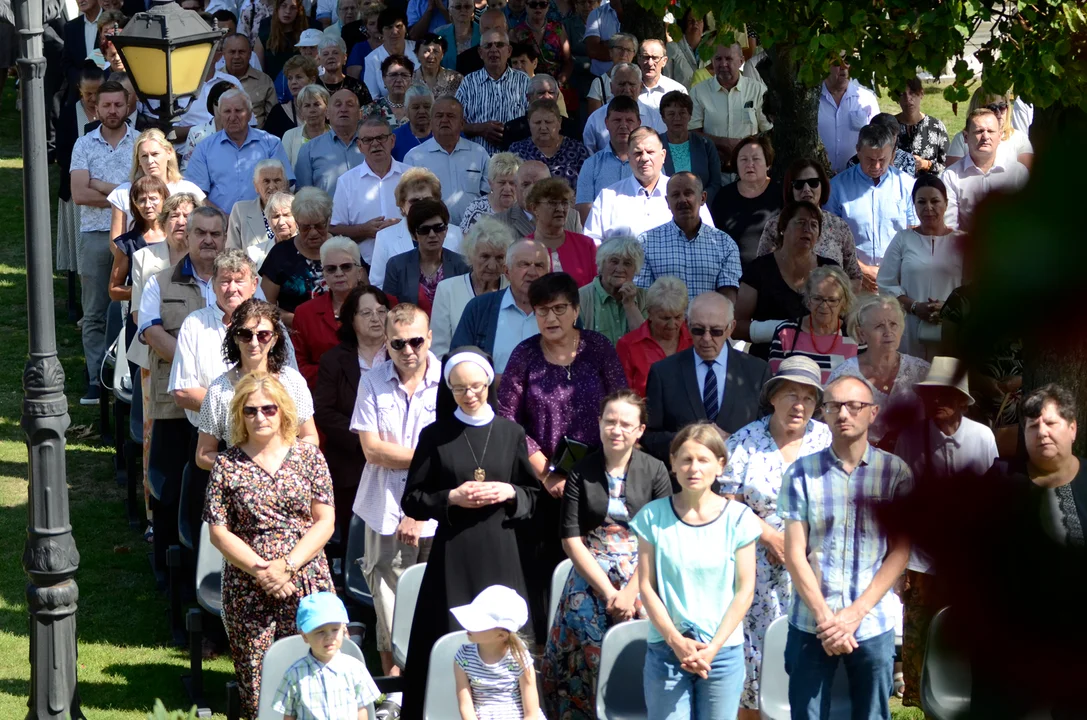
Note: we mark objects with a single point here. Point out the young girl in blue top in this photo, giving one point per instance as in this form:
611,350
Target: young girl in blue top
696,576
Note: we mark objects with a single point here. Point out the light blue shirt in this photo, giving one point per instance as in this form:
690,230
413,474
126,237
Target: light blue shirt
720,369
224,171
874,212
603,22
602,169
323,159
416,8
513,327
449,60
463,172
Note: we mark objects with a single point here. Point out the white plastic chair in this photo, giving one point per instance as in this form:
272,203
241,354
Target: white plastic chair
278,660
945,674
355,586
407,595
774,681
558,584
441,685
620,691
209,574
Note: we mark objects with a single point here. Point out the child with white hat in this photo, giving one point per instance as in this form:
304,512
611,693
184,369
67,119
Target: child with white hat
495,675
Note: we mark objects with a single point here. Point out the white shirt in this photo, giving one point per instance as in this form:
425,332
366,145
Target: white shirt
720,370
120,196
1008,150
626,208
383,407
197,112
463,172
90,33
1022,115
603,22
513,326
967,184
652,96
396,239
146,263
840,123
371,75
596,136
102,161
150,312
362,196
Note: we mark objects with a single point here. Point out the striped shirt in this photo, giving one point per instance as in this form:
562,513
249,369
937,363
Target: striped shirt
312,690
486,99
846,546
708,262
828,354
496,689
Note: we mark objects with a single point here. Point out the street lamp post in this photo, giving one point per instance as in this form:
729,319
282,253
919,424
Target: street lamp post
50,556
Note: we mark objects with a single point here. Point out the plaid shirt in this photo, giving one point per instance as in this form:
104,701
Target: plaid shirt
845,545
708,262
336,691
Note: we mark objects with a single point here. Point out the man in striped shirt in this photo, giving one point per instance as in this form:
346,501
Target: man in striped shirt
842,563
494,95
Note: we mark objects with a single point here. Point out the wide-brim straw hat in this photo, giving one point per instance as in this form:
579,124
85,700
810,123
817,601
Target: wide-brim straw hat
799,369
947,372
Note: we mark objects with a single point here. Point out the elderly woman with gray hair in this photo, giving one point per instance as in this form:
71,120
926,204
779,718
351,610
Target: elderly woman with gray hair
663,333
419,101
248,225
292,272
280,219
311,108
611,304
501,171
485,248
828,297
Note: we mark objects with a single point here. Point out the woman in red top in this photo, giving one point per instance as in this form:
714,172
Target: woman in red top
664,333
549,202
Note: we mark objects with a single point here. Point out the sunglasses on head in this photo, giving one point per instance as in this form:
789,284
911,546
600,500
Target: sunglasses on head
399,343
250,411
699,331
246,335
810,182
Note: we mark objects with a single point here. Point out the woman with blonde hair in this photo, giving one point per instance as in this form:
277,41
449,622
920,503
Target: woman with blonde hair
280,219
819,335
664,332
152,154
500,175
311,108
269,508
1014,145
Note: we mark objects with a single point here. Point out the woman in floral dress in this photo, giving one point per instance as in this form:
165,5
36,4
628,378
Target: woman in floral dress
923,136
550,40
758,455
270,510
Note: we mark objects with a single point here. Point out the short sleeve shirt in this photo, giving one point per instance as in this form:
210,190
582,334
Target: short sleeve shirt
312,690
215,410
102,161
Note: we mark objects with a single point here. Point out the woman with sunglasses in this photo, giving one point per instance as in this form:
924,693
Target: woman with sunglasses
269,510
292,272
470,472
316,321
549,37
552,386
255,342
413,276
1014,145
806,181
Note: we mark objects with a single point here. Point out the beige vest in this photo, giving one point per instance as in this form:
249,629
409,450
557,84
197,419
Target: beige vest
180,295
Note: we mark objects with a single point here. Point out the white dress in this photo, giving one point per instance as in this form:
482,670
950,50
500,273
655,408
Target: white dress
911,370
922,267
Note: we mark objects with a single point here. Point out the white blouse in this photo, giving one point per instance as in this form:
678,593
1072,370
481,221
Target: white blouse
119,197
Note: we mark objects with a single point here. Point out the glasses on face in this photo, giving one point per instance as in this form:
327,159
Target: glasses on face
809,182
853,406
343,268
998,107
651,58
563,205
268,411
625,428
474,388
559,309
400,343
245,335
374,139
700,330
817,300
436,229
367,314
304,228
398,76
498,44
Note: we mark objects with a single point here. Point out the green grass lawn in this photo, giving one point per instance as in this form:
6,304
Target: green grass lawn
933,104
124,658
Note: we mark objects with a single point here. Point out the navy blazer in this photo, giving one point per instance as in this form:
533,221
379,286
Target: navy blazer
402,273
705,163
478,324
75,53
675,399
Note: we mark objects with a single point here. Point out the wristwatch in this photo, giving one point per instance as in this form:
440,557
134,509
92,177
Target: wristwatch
291,567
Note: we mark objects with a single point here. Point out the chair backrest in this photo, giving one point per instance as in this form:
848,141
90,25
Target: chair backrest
355,586
184,528
773,680
620,691
441,684
278,660
945,675
407,594
558,584
209,574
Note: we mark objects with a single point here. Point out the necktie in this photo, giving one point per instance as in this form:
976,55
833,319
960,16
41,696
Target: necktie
709,393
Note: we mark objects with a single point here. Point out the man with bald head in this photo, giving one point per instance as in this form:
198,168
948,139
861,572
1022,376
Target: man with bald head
516,217
841,607
708,382
494,95
728,106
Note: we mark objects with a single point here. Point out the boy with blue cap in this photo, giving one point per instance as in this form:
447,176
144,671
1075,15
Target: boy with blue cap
326,684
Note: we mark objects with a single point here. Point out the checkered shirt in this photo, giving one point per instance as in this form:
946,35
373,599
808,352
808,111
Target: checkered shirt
708,262
314,691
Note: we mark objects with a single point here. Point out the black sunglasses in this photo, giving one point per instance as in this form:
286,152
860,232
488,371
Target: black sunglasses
343,268
246,335
267,411
436,228
699,331
997,107
398,344
810,182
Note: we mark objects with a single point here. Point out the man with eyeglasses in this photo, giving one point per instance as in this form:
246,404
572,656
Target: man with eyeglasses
981,171
322,160
626,80
365,199
842,562
396,400
461,165
707,382
652,58
394,29
493,96
845,106
516,217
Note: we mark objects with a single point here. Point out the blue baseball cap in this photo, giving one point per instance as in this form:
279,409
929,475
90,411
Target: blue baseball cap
320,609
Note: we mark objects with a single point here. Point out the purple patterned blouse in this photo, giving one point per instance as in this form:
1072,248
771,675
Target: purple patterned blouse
539,396
565,163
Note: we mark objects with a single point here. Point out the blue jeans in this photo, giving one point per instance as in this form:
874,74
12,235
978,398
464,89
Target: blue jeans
672,693
870,669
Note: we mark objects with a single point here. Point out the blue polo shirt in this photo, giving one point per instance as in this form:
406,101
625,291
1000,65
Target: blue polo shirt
323,159
224,170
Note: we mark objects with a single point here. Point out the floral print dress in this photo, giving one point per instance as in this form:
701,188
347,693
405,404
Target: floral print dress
754,472
270,514
927,139
550,47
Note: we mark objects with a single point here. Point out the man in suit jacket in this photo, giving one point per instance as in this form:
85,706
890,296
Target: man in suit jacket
80,40
708,380
515,217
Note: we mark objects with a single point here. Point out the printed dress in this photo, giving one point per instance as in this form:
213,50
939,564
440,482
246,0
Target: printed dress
270,514
754,472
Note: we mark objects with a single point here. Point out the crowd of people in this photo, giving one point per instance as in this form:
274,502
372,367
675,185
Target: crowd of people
383,233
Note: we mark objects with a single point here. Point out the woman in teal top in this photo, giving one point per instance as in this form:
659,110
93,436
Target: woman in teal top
696,598
688,151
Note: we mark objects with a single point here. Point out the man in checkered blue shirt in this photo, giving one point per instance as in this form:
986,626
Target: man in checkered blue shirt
326,684
842,563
